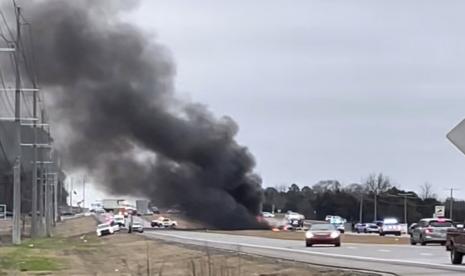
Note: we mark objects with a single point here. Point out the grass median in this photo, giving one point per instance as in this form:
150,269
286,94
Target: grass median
44,255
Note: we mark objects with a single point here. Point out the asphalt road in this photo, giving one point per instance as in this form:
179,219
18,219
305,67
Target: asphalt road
391,259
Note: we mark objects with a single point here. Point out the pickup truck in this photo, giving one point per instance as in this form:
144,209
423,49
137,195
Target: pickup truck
164,222
455,243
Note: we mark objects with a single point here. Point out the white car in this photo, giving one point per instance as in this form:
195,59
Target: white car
164,222
294,216
267,215
137,227
104,229
390,227
115,226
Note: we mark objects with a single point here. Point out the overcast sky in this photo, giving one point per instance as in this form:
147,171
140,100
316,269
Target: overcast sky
326,89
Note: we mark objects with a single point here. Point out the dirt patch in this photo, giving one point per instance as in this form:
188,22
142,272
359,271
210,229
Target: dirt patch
71,252
299,235
76,226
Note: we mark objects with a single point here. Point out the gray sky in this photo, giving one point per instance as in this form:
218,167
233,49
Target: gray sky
326,89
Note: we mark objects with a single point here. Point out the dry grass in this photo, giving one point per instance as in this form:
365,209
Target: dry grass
73,253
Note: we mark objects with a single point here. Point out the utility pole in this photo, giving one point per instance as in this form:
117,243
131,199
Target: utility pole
16,235
34,225
42,182
55,198
451,203
47,205
406,196
41,201
405,210
361,209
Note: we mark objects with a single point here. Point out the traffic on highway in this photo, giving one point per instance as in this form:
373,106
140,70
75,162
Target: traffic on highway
232,138
387,243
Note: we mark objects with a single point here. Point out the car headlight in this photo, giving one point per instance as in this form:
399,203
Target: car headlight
334,234
308,235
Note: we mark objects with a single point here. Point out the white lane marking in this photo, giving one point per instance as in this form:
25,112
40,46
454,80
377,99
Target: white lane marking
351,247
396,246
426,254
361,258
384,250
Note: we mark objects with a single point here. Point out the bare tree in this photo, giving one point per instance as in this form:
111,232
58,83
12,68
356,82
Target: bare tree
378,183
426,191
327,185
355,188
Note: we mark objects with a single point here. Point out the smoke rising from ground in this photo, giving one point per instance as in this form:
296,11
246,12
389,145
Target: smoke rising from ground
112,89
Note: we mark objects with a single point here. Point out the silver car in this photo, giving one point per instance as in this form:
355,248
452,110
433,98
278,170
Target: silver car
430,230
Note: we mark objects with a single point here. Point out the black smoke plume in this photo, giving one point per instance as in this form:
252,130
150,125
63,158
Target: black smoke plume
113,96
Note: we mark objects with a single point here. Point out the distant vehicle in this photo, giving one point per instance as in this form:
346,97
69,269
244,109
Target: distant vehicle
431,230
112,204
267,215
96,207
293,215
324,233
155,210
164,222
119,219
67,212
390,226
173,211
360,228
137,227
337,221
296,223
456,244
104,229
371,228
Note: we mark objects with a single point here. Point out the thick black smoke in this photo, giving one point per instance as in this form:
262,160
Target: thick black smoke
112,90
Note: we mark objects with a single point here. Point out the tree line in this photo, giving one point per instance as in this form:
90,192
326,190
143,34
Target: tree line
358,200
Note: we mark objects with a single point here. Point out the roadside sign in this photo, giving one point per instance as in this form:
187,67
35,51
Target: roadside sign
457,136
440,211
2,211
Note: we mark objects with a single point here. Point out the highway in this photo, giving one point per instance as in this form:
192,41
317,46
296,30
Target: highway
390,259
